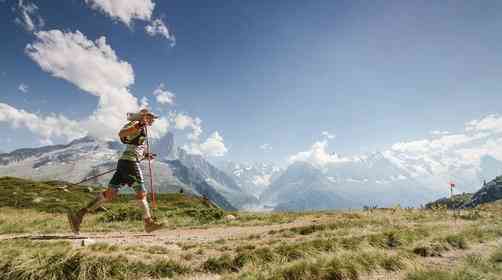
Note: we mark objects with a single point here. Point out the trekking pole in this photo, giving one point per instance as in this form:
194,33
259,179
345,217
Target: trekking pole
95,176
152,191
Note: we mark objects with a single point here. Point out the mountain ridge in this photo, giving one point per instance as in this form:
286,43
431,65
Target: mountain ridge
89,156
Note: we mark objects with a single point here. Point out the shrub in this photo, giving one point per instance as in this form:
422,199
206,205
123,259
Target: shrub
429,275
204,215
434,249
122,214
496,257
290,252
457,241
298,271
218,264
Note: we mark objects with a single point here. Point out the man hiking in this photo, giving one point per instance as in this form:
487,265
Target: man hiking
128,171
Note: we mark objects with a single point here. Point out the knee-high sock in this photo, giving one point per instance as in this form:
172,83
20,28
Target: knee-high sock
143,204
95,204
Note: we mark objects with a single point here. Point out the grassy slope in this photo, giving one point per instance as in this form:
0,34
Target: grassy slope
454,202
59,197
342,246
42,206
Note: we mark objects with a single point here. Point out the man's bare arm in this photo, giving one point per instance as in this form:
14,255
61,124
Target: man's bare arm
131,130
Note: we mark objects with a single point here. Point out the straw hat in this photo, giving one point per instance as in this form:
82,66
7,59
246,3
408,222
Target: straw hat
138,116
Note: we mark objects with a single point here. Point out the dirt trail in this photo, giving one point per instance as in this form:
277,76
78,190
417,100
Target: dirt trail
165,237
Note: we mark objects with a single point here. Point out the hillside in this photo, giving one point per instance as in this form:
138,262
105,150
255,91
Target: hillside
60,197
489,192
457,201
201,243
88,156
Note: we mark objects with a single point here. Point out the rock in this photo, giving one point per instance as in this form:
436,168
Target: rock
230,218
87,242
37,199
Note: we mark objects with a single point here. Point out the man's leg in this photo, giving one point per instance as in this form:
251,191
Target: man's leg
143,204
75,219
150,224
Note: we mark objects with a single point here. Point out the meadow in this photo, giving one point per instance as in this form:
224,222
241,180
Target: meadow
410,244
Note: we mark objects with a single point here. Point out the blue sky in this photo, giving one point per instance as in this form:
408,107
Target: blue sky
275,72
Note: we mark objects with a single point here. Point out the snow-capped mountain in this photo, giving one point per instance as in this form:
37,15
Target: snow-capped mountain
222,182
303,187
384,179
366,180
375,180
253,178
164,147
70,162
88,156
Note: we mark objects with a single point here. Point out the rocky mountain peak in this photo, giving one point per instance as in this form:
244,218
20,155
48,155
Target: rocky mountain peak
165,147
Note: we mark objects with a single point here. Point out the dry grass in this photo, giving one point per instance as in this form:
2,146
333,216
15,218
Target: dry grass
331,245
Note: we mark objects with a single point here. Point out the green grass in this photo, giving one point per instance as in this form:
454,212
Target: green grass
338,245
57,260
59,197
473,267
40,207
49,197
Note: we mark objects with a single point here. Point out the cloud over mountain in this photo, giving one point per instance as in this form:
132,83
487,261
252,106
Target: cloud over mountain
47,127
213,146
92,66
317,155
433,160
95,68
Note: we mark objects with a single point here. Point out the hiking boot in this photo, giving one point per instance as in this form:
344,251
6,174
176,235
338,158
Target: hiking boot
151,225
75,219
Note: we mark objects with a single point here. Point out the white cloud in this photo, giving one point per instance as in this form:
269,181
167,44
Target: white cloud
124,11
127,11
23,88
441,154
182,121
46,127
144,103
328,135
159,128
29,18
459,154
437,145
318,155
93,67
214,146
439,132
266,147
158,27
491,123
163,96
